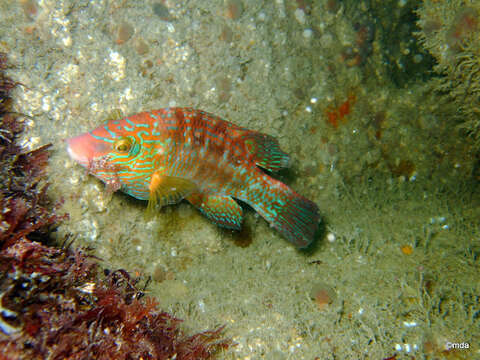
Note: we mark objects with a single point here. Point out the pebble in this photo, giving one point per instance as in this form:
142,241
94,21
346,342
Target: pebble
300,16
124,32
307,33
141,46
234,9
161,11
331,237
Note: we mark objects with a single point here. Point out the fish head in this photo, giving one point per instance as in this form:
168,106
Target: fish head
115,155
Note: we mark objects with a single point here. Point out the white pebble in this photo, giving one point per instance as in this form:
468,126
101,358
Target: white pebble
331,237
300,16
307,33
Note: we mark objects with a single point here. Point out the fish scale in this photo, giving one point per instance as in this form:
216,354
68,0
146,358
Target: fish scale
171,154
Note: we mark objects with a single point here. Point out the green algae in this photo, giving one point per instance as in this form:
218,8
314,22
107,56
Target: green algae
450,31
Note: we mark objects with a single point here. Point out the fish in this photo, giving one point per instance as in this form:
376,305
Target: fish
167,155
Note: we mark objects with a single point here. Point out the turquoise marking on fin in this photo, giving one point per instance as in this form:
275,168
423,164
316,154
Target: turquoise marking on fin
266,151
222,210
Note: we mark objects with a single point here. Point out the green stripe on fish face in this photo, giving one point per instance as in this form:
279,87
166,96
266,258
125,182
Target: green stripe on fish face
131,158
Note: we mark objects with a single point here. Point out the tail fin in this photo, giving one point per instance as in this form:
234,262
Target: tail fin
294,216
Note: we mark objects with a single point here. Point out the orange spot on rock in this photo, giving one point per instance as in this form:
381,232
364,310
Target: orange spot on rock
322,295
332,118
406,249
30,30
346,106
335,115
322,299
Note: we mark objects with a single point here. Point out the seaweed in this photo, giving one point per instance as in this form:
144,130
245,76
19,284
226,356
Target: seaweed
53,302
53,306
450,31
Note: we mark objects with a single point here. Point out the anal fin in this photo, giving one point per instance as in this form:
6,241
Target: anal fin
222,210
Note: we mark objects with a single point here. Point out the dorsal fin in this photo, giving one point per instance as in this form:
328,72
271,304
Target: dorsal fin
266,151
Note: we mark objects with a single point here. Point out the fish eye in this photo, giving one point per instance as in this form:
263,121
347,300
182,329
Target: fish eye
122,145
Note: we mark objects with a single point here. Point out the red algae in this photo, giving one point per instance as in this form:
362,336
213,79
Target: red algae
64,312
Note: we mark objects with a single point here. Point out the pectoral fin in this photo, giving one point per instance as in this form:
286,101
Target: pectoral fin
165,190
221,209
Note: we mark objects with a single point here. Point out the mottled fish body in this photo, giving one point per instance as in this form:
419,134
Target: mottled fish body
171,154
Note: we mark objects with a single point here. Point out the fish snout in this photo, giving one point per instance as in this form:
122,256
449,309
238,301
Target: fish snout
85,148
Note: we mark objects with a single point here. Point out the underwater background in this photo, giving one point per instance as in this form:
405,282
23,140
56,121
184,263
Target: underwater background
376,102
